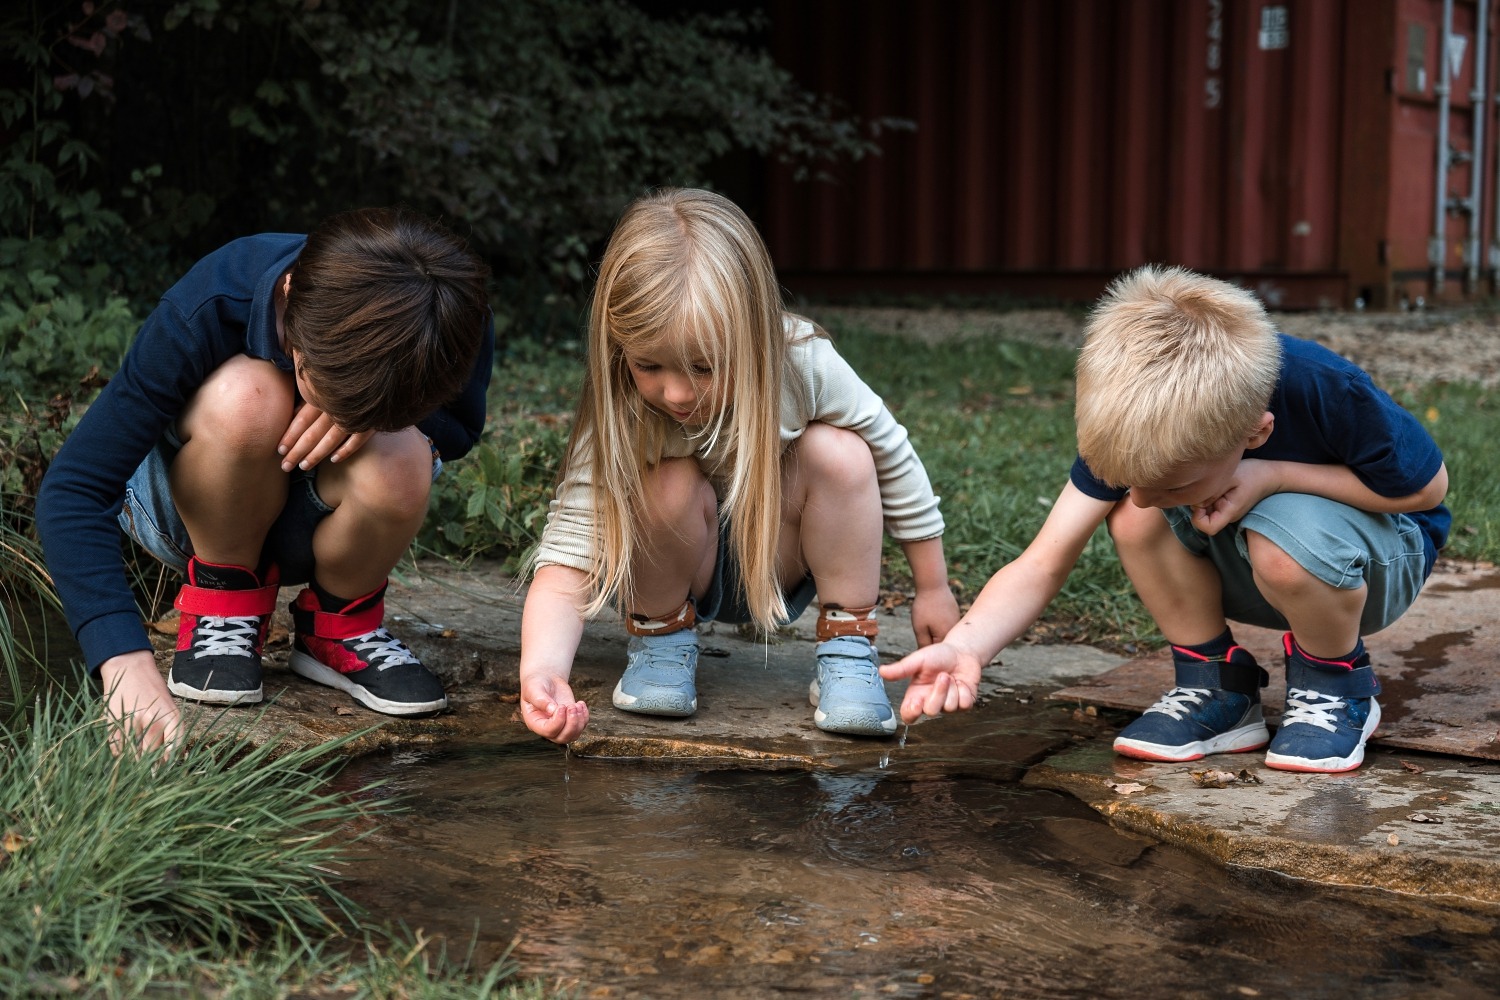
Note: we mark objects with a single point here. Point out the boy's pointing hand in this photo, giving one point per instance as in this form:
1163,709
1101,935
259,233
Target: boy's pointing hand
943,679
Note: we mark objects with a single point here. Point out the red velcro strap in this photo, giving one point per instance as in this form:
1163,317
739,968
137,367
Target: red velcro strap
226,603
327,625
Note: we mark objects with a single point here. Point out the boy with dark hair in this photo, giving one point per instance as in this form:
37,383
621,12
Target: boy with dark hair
1246,476
279,419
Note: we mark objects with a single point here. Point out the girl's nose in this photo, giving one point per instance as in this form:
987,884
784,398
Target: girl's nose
679,391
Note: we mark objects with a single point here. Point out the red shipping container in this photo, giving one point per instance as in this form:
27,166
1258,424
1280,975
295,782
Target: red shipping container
1291,146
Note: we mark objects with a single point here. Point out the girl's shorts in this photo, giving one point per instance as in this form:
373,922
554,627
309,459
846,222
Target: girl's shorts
724,601
150,516
1340,545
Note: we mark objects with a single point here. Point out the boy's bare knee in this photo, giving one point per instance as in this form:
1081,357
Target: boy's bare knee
390,476
244,405
1274,569
1133,527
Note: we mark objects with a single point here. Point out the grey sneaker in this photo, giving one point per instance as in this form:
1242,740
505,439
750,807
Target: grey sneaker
847,690
658,677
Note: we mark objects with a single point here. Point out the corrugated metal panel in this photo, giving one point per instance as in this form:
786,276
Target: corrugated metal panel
1061,142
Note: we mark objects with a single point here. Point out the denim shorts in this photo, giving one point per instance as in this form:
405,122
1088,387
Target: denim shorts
724,601
150,516
1340,545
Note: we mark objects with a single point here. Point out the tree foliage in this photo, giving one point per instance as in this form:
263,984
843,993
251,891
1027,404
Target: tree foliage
140,134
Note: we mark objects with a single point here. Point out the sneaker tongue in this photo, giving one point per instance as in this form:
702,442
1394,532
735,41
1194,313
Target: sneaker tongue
214,577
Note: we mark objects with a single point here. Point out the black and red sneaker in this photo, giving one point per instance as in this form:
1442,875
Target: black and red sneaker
351,650
225,612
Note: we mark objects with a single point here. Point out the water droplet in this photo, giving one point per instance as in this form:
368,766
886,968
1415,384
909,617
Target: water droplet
902,742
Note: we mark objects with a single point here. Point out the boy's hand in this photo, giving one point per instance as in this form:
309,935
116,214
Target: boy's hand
549,709
933,613
943,679
1253,481
139,707
313,436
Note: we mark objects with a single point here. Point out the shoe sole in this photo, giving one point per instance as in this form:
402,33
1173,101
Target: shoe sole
1329,765
306,666
214,696
648,704
1241,740
867,723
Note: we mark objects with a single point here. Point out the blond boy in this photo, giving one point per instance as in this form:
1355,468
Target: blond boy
1244,476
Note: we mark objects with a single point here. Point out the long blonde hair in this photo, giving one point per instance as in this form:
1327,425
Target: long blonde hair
685,265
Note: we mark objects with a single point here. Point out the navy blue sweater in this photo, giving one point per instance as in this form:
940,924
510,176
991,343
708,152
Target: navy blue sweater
221,308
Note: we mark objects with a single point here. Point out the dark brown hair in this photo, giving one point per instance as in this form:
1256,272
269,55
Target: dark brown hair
386,311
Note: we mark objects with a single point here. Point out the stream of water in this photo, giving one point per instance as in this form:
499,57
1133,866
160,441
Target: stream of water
627,878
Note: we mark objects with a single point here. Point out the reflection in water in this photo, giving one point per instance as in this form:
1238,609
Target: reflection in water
905,881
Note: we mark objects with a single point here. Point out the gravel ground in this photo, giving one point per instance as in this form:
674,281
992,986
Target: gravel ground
1396,348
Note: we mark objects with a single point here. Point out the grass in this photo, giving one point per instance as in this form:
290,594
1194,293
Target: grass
212,874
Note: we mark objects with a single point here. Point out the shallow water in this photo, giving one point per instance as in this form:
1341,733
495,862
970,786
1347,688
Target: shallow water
628,878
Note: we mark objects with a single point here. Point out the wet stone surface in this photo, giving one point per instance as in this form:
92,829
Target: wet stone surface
1041,720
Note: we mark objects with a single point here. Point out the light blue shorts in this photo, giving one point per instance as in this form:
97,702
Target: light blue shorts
1340,545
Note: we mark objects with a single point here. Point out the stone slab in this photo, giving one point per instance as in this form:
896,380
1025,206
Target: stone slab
1423,825
465,623
1437,666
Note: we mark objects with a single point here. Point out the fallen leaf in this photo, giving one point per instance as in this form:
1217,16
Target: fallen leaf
343,710
1413,768
1214,779
1126,787
1421,817
166,626
448,633
1248,777
13,841
1393,840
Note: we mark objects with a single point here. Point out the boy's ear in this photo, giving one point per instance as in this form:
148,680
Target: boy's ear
1262,431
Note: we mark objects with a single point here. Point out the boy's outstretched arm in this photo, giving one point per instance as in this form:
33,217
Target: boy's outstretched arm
945,676
551,628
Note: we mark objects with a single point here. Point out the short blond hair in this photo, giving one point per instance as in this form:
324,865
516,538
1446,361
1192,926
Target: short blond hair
1176,368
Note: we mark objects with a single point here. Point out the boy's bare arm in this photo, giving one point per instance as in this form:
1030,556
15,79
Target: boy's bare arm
551,627
945,676
1256,479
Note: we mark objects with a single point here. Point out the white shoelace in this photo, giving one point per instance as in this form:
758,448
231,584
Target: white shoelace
1300,708
227,636
1176,701
382,650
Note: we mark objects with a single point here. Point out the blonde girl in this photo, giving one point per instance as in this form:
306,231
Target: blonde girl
726,464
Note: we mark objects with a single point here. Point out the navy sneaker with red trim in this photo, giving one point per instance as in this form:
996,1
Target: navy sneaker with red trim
224,614
1215,708
1331,712
351,650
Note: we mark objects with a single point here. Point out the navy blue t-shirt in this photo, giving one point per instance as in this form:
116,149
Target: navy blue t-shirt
1328,412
